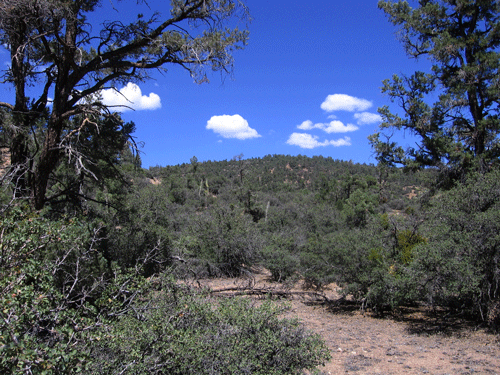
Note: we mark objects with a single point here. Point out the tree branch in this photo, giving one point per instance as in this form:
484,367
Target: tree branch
7,105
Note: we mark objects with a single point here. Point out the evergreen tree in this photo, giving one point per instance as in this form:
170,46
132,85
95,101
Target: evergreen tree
51,43
460,130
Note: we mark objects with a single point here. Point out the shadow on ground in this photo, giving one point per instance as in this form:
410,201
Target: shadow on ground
420,320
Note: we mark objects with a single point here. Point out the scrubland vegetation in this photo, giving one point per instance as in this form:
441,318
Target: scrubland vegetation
92,246
91,287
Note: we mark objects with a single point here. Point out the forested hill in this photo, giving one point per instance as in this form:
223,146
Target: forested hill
277,173
388,237
281,212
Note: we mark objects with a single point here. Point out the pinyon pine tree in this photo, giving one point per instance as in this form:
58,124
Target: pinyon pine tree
459,131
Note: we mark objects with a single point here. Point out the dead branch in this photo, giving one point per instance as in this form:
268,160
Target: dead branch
242,291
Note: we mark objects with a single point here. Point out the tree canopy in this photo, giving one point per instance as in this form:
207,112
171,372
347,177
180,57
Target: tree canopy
53,46
460,129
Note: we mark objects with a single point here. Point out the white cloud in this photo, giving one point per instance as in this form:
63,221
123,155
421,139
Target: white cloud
232,127
331,127
339,127
342,102
130,97
306,125
346,141
366,118
309,141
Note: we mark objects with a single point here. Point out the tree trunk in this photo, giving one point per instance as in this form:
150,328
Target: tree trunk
19,131
48,160
51,152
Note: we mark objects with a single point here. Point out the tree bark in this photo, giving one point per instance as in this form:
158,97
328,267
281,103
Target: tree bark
49,158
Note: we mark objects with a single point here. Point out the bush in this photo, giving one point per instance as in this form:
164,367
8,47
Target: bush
48,273
65,309
224,241
397,204
58,293
459,266
281,257
369,262
449,257
142,225
181,332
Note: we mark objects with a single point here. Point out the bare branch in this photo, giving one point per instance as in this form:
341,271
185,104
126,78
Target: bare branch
7,105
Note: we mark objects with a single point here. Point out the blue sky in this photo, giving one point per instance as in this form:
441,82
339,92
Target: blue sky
307,83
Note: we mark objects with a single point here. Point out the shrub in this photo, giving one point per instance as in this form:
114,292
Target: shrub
58,293
406,240
181,332
281,258
227,241
64,309
460,265
48,272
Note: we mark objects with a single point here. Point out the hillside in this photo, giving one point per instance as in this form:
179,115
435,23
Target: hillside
102,279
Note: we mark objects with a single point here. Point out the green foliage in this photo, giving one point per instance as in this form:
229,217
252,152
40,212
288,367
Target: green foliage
446,255
452,259
183,333
104,273
47,272
142,225
459,265
99,180
282,258
228,240
350,224
65,308
460,130
406,240
369,262
91,294
359,206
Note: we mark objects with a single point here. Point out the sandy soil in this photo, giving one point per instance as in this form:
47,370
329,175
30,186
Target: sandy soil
410,341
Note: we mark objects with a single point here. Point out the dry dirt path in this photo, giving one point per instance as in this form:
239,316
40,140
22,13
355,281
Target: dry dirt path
411,343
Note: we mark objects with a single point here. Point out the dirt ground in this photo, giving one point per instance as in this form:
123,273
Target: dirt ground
410,341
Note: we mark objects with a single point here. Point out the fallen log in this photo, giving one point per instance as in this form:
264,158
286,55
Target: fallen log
242,291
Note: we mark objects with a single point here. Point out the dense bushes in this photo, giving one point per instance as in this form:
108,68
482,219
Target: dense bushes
459,266
227,240
386,237
447,253
179,332
90,292
65,308
49,271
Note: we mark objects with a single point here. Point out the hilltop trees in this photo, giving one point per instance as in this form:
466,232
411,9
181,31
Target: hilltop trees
53,46
460,130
